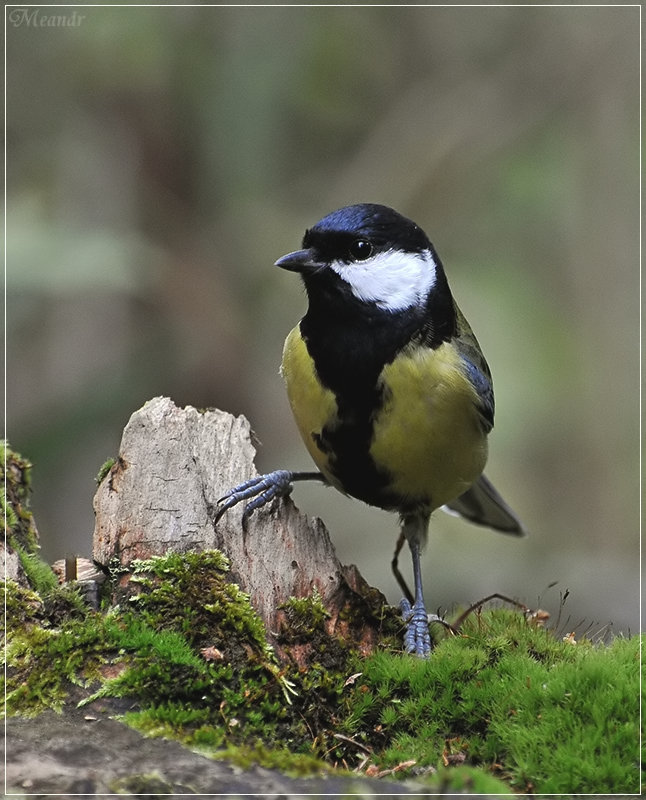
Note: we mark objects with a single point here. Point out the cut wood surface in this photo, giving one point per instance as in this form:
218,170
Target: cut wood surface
161,495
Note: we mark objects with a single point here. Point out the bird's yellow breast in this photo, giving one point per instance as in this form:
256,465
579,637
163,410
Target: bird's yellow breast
313,406
426,436
427,433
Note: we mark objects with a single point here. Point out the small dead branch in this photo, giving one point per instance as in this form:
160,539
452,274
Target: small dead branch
539,616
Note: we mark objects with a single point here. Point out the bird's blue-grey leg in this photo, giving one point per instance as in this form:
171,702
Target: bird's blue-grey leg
261,489
417,639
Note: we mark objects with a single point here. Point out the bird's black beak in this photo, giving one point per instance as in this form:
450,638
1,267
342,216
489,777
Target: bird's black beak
303,261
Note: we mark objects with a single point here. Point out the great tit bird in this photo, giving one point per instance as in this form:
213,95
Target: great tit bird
388,386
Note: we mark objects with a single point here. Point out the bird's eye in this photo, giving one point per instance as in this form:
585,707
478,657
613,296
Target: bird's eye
360,250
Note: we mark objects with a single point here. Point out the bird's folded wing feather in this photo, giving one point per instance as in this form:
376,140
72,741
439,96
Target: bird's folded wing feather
483,505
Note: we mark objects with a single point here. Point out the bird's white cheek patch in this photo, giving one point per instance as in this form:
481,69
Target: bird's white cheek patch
393,280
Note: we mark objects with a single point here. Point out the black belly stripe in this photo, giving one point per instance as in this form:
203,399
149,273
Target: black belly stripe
348,443
348,360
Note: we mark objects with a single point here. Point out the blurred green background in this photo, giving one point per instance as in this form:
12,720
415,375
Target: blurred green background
161,158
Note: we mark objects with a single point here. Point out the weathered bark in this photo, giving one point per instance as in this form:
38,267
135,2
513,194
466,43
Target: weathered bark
162,493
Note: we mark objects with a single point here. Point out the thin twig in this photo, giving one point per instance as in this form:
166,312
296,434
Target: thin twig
495,596
359,745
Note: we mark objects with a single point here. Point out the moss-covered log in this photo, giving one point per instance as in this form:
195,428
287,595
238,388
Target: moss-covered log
161,495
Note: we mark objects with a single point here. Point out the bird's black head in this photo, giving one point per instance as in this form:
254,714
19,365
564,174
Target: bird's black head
369,255
354,233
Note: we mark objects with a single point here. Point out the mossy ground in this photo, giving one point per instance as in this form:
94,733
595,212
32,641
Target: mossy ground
504,706
544,715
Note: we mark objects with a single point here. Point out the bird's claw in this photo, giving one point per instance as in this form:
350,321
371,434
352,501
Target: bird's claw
260,489
417,639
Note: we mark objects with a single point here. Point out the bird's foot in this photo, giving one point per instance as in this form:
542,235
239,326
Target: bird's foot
417,639
260,489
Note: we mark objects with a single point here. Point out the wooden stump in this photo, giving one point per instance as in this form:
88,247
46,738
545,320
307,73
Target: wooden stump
161,495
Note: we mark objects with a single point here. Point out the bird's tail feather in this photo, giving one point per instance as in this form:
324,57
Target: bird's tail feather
482,505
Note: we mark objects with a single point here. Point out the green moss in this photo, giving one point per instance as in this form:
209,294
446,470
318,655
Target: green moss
558,717
60,601
104,469
64,602
305,615
39,575
43,661
24,607
15,478
191,593
272,756
504,706
9,515
465,780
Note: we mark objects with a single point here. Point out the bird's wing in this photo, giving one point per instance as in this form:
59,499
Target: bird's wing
482,505
482,384
477,369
